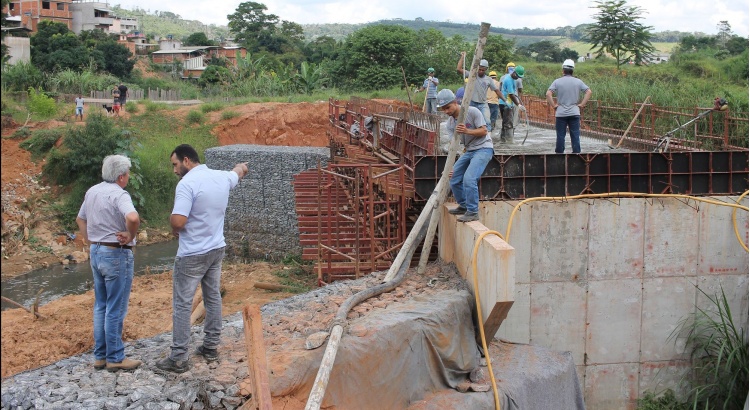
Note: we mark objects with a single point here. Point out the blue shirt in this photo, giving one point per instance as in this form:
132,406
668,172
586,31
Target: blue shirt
431,86
202,196
508,87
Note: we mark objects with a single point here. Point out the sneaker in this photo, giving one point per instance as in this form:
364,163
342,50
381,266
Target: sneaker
169,365
100,364
468,217
460,210
211,355
125,364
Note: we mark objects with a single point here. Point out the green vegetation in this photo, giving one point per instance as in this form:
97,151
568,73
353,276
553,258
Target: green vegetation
229,114
296,275
618,32
41,142
213,106
40,105
195,117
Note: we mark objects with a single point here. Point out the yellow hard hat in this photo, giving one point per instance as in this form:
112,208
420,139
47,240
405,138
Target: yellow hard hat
466,80
511,64
493,74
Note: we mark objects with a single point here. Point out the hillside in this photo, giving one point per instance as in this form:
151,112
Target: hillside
164,23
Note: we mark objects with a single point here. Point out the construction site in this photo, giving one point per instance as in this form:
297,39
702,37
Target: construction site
565,294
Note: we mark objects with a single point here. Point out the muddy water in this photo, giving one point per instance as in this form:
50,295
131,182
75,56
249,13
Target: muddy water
61,280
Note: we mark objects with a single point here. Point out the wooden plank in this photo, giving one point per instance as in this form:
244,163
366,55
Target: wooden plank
257,364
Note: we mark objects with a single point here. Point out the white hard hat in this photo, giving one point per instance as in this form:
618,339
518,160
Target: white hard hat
445,97
483,63
569,64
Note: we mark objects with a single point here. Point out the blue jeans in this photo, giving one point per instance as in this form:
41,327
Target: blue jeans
188,272
113,276
494,111
573,123
465,179
485,109
431,105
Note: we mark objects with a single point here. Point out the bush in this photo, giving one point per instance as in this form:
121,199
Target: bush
151,106
131,107
22,132
228,115
21,76
41,142
194,117
41,105
214,106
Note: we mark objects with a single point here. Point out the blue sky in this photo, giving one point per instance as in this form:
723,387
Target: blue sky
688,16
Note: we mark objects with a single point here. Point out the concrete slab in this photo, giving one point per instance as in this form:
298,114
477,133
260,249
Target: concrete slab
656,377
496,217
720,252
666,301
559,246
611,386
557,312
670,222
613,315
515,327
615,245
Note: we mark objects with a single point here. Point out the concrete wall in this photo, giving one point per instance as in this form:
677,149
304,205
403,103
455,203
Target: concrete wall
19,49
261,221
609,280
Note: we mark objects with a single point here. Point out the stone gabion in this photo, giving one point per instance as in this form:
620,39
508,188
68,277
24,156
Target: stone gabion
261,221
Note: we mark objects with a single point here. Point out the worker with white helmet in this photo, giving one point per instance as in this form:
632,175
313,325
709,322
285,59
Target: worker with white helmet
482,83
430,84
567,108
470,166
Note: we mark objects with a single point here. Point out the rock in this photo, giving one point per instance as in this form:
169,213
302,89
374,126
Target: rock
142,236
65,262
79,257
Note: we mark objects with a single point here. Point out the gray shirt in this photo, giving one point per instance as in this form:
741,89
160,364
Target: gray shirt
568,90
104,208
473,120
480,88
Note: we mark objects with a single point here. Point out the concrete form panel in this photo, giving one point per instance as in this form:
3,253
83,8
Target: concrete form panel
559,246
613,316
496,217
616,239
666,301
656,377
515,328
736,290
720,252
447,233
558,311
611,386
671,243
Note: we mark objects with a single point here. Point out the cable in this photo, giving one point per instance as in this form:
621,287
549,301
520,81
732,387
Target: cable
479,313
634,195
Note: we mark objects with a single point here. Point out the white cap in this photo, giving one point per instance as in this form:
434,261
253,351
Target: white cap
569,64
484,63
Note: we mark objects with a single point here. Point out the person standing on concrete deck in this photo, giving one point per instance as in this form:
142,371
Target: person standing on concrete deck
509,103
430,84
481,85
509,68
493,100
470,166
567,108
200,203
109,222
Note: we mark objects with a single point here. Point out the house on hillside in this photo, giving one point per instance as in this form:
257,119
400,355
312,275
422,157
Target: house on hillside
16,38
194,58
31,12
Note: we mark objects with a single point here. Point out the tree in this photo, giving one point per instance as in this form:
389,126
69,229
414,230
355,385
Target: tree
54,47
725,32
198,39
117,58
736,45
618,32
319,49
250,22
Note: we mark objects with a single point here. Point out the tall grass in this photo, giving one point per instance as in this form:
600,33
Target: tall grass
79,82
21,76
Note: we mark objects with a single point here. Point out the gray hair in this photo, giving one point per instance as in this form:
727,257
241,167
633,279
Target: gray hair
114,166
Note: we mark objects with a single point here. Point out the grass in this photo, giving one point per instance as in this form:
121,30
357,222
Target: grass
228,115
212,106
42,141
296,275
195,117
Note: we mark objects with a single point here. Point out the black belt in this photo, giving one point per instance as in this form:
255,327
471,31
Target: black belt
113,245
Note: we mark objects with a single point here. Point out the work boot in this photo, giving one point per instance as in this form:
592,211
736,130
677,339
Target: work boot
169,365
100,364
125,364
503,134
211,355
459,210
468,217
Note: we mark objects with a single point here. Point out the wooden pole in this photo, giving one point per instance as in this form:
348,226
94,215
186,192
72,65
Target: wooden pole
256,359
272,286
443,184
632,122
14,303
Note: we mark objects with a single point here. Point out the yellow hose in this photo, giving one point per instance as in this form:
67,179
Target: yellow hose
734,223
479,313
632,195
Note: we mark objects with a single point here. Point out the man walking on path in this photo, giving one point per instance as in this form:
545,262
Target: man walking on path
123,96
567,108
79,106
482,83
109,222
470,166
511,100
197,219
430,84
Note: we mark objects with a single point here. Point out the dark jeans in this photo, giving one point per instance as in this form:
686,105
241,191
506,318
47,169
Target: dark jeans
494,111
573,123
507,113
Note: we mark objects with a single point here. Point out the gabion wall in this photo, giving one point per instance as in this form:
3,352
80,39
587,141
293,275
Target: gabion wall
261,222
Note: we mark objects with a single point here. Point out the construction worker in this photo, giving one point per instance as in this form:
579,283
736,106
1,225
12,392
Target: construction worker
567,108
510,99
493,100
460,92
483,82
430,84
509,68
470,166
